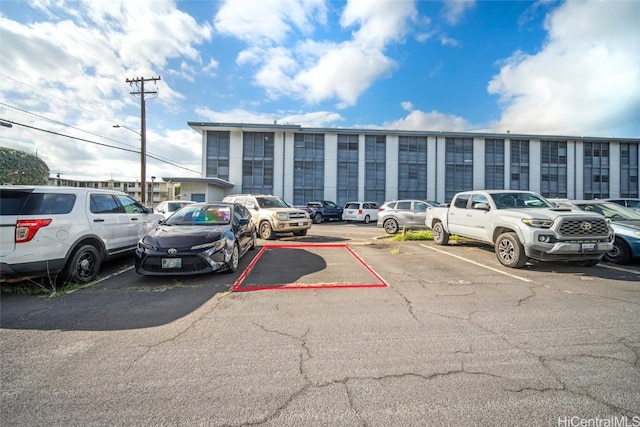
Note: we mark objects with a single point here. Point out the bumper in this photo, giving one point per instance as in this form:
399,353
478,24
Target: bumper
568,251
150,263
27,270
291,226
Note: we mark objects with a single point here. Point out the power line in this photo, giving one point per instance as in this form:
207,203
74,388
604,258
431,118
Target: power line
97,143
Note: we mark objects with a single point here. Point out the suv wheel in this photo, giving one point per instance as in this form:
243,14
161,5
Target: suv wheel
391,226
266,232
83,266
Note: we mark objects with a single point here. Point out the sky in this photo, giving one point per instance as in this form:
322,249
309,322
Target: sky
525,67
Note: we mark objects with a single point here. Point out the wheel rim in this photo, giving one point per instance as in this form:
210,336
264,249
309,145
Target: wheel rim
507,250
614,254
265,230
86,266
366,219
437,233
234,257
391,227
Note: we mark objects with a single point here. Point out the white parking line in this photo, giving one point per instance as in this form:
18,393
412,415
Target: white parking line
615,267
524,279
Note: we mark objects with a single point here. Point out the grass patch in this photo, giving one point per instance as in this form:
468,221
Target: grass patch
405,235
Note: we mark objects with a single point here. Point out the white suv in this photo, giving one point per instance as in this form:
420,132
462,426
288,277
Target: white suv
66,232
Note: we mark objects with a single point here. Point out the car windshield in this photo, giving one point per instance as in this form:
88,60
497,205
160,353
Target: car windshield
201,215
612,211
271,202
519,201
174,206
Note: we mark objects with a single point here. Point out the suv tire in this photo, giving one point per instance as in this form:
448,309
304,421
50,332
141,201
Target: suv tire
266,232
83,266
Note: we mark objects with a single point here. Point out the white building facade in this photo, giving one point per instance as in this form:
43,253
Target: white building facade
302,164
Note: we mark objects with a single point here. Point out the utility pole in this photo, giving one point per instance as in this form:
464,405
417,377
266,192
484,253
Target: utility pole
143,130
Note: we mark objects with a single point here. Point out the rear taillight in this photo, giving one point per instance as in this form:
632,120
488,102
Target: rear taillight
359,211
27,228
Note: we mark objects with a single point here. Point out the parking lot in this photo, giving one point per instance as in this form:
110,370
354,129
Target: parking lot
447,336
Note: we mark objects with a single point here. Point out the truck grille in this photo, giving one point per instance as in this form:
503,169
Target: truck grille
296,215
583,227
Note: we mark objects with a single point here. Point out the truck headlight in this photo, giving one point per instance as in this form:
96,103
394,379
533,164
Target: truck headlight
538,223
280,216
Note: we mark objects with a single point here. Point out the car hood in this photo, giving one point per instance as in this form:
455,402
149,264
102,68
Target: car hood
184,236
547,213
630,224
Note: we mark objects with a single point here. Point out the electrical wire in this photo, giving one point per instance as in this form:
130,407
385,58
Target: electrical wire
98,143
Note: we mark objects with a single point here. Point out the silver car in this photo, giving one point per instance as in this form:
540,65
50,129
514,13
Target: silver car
398,214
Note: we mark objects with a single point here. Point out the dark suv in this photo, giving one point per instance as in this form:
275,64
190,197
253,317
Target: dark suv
66,232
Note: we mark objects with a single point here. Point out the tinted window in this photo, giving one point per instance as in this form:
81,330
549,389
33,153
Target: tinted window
48,203
420,206
12,201
130,205
461,201
352,206
104,203
403,206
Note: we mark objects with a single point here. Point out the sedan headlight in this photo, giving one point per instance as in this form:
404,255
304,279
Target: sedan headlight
538,223
212,246
142,245
280,216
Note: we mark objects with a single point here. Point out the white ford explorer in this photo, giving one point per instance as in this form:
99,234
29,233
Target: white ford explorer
66,232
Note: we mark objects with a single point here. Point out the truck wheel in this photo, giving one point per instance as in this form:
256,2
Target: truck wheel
440,236
83,266
317,218
266,232
510,251
391,226
300,233
620,254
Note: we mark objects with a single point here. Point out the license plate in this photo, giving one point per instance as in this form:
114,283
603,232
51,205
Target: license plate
588,247
293,224
171,262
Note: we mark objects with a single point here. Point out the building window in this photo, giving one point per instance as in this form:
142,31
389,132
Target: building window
375,167
218,154
494,164
412,167
596,170
458,166
628,170
519,179
553,169
257,162
347,184
308,164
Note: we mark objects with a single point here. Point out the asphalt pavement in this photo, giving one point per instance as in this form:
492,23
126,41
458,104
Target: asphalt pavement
447,336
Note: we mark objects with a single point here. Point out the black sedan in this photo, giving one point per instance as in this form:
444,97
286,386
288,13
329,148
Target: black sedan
199,238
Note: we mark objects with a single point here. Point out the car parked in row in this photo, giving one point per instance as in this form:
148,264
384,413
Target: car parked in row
168,207
360,211
66,232
396,215
322,210
631,203
625,223
199,238
272,215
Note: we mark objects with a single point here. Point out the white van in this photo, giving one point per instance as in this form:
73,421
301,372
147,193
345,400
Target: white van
360,211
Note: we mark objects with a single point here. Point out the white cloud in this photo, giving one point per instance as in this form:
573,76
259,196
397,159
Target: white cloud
585,79
259,21
432,121
454,10
311,119
406,105
317,71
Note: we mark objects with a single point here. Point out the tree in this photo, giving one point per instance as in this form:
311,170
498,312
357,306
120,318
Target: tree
18,167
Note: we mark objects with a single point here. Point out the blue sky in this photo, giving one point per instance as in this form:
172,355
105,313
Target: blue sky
545,67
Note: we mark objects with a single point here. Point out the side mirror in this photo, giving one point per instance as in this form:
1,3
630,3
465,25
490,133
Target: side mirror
482,206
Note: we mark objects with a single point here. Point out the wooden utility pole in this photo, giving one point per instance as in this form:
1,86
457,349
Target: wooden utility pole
143,130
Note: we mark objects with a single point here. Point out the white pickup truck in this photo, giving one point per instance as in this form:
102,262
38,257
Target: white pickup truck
522,225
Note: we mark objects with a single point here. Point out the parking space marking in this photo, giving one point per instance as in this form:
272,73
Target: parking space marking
618,268
305,264
524,279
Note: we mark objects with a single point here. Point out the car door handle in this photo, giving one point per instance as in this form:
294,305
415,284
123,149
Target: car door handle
98,220
134,219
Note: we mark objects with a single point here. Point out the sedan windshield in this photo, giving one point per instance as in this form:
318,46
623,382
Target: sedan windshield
612,211
201,215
